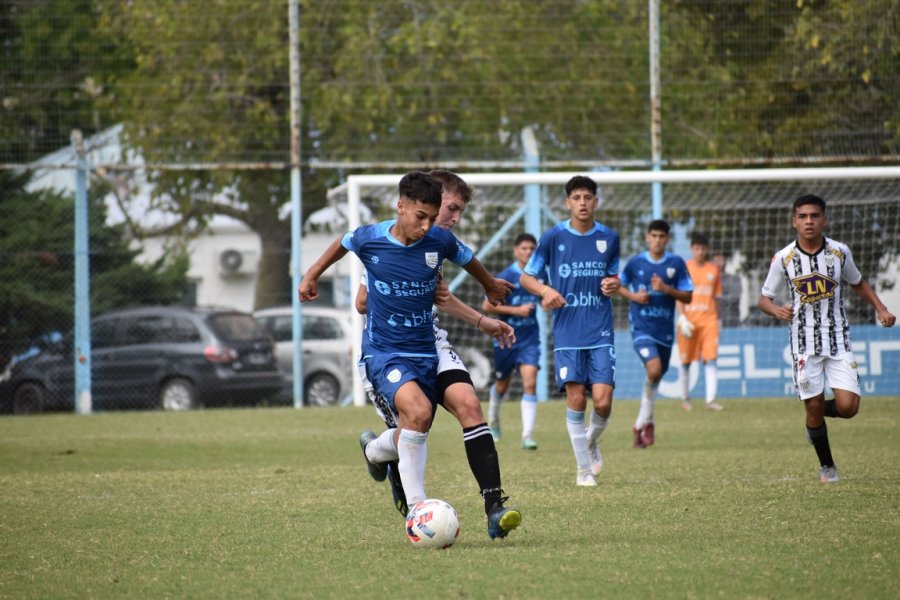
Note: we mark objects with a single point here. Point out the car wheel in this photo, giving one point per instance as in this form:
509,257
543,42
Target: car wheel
321,390
29,398
178,394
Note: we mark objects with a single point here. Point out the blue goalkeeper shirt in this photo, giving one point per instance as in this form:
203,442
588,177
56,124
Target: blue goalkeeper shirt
575,263
656,319
401,283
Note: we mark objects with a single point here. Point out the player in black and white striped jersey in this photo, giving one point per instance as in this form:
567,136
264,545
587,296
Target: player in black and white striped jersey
813,270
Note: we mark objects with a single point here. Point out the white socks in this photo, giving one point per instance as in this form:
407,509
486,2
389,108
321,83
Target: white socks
412,452
494,400
578,437
648,401
711,374
382,448
684,378
597,426
529,413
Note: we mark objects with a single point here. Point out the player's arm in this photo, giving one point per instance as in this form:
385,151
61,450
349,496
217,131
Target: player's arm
771,287
496,289
609,285
362,294
309,286
768,306
522,310
658,285
612,283
640,297
865,291
550,298
500,331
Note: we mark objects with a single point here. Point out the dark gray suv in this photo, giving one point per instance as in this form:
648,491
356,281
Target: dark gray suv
173,358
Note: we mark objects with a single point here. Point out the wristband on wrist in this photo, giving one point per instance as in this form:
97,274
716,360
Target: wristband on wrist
478,324
544,291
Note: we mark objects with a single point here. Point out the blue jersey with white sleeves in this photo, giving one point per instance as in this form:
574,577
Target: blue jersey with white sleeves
527,331
656,319
574,264
401,282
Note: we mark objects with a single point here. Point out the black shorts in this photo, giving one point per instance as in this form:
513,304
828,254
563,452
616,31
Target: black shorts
448,378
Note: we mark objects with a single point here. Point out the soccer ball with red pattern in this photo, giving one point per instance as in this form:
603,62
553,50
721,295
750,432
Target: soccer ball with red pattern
432,523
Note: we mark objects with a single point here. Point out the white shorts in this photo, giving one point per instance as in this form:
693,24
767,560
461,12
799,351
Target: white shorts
448,359
811,372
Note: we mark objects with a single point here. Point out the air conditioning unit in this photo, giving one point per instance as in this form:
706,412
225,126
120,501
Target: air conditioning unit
235,262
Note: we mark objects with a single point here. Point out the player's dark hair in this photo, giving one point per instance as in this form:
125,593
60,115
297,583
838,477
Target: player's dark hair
524,237
453,183
699,239
580,182
421,187
658,225
809,199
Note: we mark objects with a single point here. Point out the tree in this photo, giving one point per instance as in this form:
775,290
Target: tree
430,82
218,74
37,266
49,59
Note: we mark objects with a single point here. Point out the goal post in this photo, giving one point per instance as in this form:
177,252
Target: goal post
745,212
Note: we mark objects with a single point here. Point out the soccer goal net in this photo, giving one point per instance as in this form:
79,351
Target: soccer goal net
745,214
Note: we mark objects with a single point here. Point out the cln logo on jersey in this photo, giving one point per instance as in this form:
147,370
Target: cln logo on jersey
814,287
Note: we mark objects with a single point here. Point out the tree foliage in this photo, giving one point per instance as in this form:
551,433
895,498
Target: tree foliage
427,81
51,58
37,267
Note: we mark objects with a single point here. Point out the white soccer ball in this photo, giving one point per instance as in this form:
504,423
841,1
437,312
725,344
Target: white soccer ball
432,523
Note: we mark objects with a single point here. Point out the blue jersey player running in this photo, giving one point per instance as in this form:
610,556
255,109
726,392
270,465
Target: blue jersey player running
525,354
402,258
653,281
581,259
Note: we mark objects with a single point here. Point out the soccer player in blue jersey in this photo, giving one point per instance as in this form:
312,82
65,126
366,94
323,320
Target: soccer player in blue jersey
403,258
581,259
519,311
456,392
653,281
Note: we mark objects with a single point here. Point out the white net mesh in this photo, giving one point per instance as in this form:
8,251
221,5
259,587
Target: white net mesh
746,221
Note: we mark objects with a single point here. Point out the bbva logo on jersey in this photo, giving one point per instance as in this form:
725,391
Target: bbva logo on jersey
814,287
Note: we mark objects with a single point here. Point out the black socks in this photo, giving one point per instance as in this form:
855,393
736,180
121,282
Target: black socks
482,455
819,438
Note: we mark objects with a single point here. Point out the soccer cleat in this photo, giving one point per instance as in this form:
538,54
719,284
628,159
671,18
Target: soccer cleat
686,406
393,477
829,475
495,430
647,434
596,458
714,406
585,478
528,443
502,520
378,471
638,438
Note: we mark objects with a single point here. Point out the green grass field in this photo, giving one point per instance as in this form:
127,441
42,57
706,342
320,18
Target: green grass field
277,503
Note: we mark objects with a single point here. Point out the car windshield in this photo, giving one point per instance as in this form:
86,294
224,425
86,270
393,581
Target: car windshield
236,327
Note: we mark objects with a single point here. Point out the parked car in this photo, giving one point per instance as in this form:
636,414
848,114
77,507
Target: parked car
327,351
173,358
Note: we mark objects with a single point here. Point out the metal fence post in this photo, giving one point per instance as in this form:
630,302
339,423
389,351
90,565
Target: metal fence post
82,345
